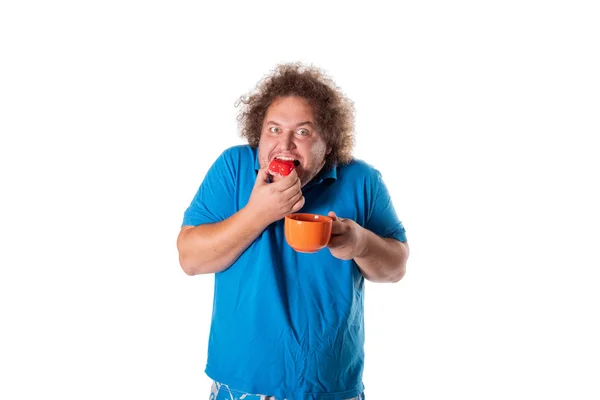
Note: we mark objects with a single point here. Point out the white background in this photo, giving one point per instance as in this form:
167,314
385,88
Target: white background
481,117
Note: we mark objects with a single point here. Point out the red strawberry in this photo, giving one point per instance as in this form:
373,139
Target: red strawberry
282,167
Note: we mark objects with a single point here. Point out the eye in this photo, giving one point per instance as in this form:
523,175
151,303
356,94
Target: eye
303,132
274,129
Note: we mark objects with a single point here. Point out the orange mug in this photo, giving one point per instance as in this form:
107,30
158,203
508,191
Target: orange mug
307,233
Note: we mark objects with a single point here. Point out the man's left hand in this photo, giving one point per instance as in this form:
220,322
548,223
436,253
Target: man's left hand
347,238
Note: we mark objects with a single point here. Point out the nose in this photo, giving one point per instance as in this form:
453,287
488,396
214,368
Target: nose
288,140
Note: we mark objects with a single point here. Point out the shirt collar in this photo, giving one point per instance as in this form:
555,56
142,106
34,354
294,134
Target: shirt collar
325,174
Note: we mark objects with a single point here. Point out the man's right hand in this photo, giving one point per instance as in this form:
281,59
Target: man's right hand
273,201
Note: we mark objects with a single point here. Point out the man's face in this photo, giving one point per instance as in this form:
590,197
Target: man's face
289,131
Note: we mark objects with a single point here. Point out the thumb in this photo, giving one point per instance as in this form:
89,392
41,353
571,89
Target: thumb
262,177
335,217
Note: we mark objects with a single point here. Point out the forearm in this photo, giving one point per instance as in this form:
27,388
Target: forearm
211,248
382,259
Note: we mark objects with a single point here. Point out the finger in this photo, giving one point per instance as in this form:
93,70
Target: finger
336,242
262,177
335,217
292,191
299,204
295,197
286,182
338,228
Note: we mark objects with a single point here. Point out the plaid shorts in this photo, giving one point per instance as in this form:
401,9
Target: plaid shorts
220,391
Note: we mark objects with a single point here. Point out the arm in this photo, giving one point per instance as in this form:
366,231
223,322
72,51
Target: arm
379,259
211,248
214,247
382,259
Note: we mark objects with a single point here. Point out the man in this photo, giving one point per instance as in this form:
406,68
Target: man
287,324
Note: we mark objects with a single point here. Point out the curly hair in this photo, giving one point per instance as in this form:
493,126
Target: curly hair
332,110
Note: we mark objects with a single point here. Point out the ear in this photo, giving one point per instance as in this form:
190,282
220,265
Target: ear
328,150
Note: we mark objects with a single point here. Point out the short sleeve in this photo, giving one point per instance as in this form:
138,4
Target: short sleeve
382,219
214,200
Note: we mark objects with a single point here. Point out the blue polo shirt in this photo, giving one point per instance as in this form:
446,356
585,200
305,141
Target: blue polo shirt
284,323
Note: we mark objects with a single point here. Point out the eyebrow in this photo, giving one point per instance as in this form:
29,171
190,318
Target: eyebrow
300,124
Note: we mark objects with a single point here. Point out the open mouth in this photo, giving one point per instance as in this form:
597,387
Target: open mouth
283,166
